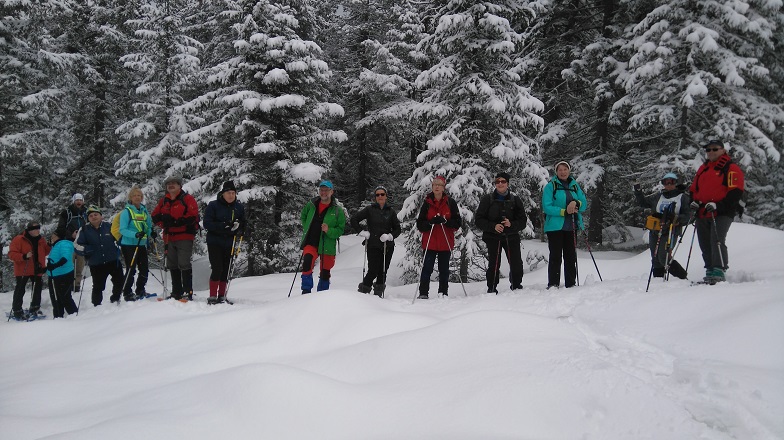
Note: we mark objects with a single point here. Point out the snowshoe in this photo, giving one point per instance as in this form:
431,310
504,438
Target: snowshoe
423,296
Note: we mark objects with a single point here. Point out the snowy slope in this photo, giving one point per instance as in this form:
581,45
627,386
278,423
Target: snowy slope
602,361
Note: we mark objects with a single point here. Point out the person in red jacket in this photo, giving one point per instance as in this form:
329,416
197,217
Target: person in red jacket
28,251
716,192
438,220
177,213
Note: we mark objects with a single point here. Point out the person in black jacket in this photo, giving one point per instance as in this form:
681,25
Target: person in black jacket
72,218
382,227
501,216
97,244
224,219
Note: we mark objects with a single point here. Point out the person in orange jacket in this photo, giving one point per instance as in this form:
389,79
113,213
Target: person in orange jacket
28,251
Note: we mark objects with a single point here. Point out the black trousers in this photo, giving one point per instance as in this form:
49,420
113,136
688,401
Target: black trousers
562,249
443,271
509,246
377,266
220,259
19,292
141,263
60,288
714,239
100,273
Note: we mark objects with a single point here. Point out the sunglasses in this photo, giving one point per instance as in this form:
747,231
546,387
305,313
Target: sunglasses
497,181
668,182
712,149
381,195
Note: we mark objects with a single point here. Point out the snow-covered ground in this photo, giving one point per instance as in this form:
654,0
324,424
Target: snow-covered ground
602,361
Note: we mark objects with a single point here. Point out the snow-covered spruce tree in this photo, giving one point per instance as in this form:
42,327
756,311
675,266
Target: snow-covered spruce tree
35,142
480,119
98,98
695,72
261,123
370,79
163,62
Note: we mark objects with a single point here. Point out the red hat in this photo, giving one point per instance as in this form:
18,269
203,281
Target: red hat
441,178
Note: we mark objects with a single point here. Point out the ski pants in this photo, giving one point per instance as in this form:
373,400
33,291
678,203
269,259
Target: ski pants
60,292
443,271
19,292
309,257
220,259
510,246
561,245
659,256
377,265
179,254
141,262
100,273
712,239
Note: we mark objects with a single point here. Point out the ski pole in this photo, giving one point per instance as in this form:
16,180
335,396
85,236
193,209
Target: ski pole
296,271
422,266
443,229
234,254
81,289
718,242
691,246
497,268
130,266
588,245
365,244
576,265
655,254
384,270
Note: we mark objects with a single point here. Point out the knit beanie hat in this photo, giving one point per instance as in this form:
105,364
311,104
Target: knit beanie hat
441,178
503,175
76,197
228,186
94,208
569,167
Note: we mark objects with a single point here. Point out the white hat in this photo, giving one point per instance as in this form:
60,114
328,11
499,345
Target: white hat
76,197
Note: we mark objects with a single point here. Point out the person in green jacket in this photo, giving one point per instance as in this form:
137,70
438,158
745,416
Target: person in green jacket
563,201
323,222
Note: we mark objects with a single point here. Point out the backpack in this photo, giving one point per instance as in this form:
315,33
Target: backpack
116,224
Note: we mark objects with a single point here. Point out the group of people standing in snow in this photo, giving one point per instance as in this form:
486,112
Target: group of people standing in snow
83,238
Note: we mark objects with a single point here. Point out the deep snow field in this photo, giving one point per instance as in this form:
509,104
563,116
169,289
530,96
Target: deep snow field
603,361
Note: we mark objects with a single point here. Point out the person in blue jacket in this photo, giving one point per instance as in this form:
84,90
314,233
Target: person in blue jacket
135,230
563,202
224,219
60,269
96,242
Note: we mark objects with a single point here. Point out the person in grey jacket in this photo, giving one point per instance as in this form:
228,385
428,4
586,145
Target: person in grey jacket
381,229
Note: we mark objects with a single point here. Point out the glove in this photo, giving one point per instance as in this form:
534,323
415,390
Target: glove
437,220
694,205
178,222
637,187
39,270
154,235
167,220
386,237
227,226
710,207
364,234
235,226
140,234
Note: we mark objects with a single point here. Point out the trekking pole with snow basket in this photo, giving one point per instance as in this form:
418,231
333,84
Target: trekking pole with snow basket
576,265
81,289
443,229
364,261
655,255
235,252
422,266
718,242
384,269
497,269
691,246
296,271
130,266
588,245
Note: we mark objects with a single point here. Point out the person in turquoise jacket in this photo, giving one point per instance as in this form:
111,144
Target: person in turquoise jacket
60,269
135,230
563,202
323,222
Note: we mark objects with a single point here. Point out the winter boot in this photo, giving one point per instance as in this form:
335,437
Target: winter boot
176,279
18,315
322,285
677,270
222,286
424,289
213,289
187,284
492,289
443,289
658,272
378,289
363,288
307,283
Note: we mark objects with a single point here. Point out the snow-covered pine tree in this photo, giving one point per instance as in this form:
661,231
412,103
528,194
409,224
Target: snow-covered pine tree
480,119
695,72
261,123
163,59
